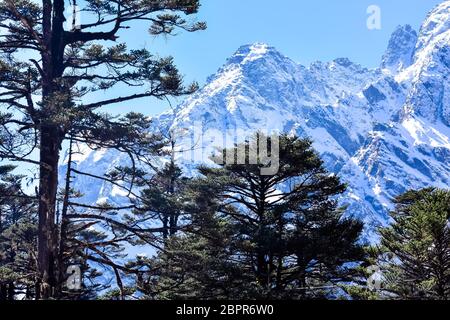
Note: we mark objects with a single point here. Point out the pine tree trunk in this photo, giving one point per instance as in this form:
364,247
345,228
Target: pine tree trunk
11,291
51,137
173,221
165,227
48,182
261,263
3,292
261,266
61,263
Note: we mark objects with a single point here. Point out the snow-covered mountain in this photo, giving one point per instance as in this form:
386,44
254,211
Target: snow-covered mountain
382,130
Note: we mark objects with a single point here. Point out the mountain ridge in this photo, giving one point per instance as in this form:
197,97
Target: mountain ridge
382,130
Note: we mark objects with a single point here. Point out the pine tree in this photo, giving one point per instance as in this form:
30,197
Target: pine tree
18,237
47,70
162,193
197,263
281,235
418,245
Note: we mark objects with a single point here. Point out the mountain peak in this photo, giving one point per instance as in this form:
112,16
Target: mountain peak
251,52
436,25
430,69
253,47
400,51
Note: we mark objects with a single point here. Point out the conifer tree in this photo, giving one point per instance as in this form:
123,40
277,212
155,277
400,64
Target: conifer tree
198,263
18,237
163,194
281,236
49,66
418,247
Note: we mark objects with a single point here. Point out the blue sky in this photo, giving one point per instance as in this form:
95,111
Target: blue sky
303,30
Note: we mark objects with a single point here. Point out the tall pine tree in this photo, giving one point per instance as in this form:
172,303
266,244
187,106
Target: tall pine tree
267,236
49,66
